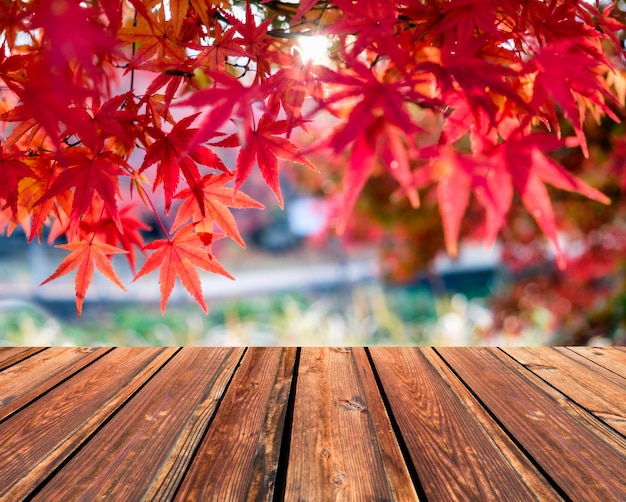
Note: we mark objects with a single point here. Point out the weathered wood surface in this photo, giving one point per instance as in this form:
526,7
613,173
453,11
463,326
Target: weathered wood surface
313,424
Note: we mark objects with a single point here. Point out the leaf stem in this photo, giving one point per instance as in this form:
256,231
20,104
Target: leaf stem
132,71
158,218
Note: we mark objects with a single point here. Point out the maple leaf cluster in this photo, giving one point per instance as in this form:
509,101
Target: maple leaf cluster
587,299
146,99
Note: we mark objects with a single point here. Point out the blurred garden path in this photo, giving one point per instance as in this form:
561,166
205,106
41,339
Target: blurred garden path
255,272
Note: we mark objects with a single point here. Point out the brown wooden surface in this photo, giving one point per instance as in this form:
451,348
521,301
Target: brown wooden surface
456,455
582,455
592,388
151,432
611,359
11,355
335,452
222,467
21,383
313,424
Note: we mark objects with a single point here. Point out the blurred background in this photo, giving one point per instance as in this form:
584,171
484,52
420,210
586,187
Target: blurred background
385,282
289,290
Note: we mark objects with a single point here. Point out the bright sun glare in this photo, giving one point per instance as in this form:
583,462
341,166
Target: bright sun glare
314,49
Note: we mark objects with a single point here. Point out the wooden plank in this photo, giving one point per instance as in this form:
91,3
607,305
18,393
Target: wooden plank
607,357
12,355
529,474
589,389
594,366
28,379
583,456
265,465
334,453
398,476
37,439
222,468
143,451
455,456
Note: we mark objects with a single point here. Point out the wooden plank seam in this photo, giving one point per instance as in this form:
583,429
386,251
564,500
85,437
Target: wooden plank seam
552,483
406,455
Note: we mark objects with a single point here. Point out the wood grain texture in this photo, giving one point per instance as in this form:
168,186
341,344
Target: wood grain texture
363,424
143,451
28,379
335,453
595,366
607,357
583,456
38,438
589,389
524,468
264,468
398,476
12,355
455,458
222,468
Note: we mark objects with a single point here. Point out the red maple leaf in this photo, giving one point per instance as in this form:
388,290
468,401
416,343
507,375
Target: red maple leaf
465,18
567,71
133,122
453,194
373,20
89,41
227,99
553,21
173,155
171,76
201,7
113,11
12,169
290,85
84,254
375,126
518,163
264,146
12,70
382,141
376,98
529,168
362,161
104,121
178,257
88,173
32,190
255,40
99,223
304,7
63,98
464,71
14,20
458,175
217,199
222,47
463,120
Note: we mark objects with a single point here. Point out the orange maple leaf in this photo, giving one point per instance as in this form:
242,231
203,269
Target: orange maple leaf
154,36
88,173
83,256
177,257
173,156
264,146
217,199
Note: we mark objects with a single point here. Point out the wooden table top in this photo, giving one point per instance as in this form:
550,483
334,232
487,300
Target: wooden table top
313,424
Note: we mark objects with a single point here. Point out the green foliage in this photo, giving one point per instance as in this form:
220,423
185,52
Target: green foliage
366,315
